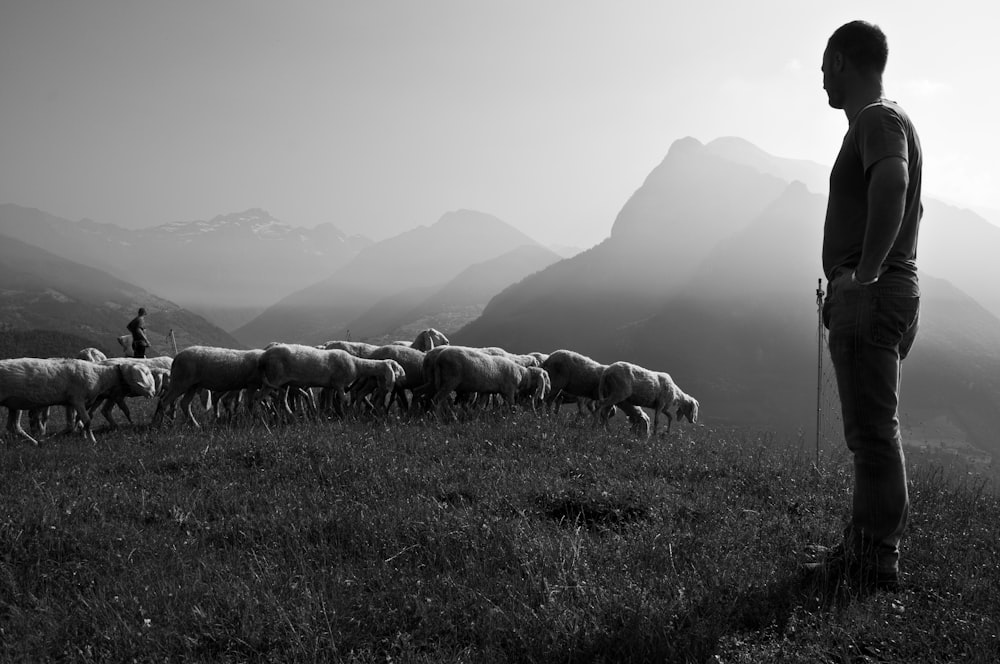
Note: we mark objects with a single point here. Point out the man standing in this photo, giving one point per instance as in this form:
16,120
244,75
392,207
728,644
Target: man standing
137,326
873,299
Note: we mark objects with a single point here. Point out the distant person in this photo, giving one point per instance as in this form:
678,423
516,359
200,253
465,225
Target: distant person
873,299
137,326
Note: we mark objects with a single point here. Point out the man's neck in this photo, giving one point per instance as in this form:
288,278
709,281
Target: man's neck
867,93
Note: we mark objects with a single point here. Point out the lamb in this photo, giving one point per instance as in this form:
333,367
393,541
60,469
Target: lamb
336,369
630,384
208,368
32,383
466,370
428,339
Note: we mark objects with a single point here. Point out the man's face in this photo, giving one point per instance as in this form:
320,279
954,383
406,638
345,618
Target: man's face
832,80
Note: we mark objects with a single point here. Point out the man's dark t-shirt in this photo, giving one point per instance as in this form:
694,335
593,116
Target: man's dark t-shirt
879,130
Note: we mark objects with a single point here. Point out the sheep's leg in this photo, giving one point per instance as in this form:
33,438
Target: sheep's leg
38,419
106,412
186,407
167,404
14,425
81,412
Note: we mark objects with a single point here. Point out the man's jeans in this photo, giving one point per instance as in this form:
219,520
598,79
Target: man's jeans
871,331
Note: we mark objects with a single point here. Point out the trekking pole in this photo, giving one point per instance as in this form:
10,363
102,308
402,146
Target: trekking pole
173,341
819,364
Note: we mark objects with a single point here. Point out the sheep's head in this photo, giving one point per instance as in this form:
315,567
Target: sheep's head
541,384
688,409
139,379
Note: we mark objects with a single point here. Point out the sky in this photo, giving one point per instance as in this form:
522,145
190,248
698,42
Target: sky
381,115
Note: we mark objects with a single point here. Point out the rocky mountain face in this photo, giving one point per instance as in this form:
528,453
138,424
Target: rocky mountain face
229,268
405,269
42,291
710,274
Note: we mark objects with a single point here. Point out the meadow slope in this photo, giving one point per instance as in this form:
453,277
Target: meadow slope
499,539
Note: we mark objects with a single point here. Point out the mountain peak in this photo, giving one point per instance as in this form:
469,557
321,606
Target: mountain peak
685,145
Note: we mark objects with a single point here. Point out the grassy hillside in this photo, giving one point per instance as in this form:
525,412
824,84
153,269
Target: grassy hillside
502,539
45,343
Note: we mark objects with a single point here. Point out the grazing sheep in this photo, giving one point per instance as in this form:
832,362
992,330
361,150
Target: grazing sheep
208,368
356,348
575,375
305,366
627,383
92,354
428,339
32,383
410,359
468,370
159,367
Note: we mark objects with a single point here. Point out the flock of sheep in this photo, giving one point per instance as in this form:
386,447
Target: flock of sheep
283,379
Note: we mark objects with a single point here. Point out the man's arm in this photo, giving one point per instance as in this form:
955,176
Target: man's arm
887,185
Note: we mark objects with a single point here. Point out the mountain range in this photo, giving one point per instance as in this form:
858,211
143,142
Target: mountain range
365,298
228,269
42,291
710,273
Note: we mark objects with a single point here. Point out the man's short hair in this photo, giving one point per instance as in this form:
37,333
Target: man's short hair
142,311
863,43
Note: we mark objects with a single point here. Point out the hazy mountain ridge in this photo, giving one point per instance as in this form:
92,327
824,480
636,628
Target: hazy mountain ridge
230,267
461,300
420,261
43,291
734,320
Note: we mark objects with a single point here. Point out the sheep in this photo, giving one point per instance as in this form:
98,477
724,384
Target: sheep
573,375
428,339
208,368
31,383
159,367
529,360
410,359
92,354
630,384
356,348
305,366
466,370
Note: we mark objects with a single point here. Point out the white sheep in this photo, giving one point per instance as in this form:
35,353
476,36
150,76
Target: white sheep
428,339
200,368
336,370
33,383
468,370
624,383
159,367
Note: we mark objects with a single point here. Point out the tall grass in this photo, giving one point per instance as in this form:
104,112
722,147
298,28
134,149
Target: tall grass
498,539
